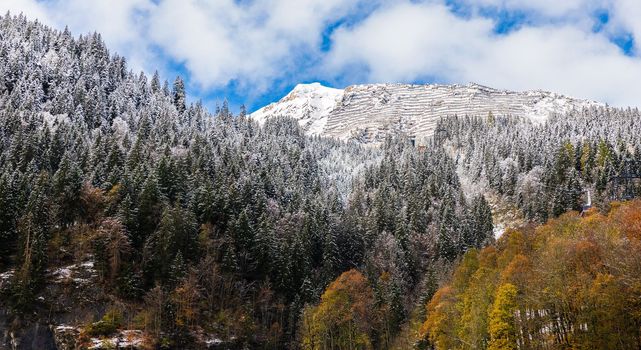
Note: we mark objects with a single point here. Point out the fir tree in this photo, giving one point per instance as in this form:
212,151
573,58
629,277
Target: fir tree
179,94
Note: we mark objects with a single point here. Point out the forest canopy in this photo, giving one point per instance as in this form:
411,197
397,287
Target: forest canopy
572,283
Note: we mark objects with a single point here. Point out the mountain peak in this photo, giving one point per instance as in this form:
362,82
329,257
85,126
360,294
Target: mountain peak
310,104
310,86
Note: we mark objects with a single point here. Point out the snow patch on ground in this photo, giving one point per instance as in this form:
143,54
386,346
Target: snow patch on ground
61,273
498,231
503,216
87,264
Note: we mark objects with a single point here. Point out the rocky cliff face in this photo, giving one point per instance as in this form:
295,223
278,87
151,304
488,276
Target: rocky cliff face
368,113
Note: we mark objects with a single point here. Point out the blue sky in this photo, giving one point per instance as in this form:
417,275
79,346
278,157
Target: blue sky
254,52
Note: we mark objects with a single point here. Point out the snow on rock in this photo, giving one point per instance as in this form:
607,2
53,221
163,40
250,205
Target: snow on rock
67,337
81,273
65,328
504,215
131,339
310,104
368,113
213,342
87,265
97,343
5,277
61,273
126,339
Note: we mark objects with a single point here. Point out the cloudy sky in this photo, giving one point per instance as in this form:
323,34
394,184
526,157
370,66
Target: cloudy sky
255,51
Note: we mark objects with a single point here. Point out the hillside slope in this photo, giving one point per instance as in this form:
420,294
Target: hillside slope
572,283
130,218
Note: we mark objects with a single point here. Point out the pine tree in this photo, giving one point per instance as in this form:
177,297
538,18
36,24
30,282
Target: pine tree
559,201
155,82
149,209
8,213
33,230
177,270
67,183
244,240
482,229
179,95
447,242
177,233
166,175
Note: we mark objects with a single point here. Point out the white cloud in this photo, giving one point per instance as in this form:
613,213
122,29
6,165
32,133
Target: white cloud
29,8
408,41
562,59
411,40
118,21
627,17
545,8
252,43
257,43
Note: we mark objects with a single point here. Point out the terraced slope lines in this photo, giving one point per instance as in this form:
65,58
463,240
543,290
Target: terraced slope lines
367,113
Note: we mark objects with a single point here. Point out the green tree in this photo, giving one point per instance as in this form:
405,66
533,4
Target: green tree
8,213
149,210
179,94
447,240
33,231
177,234
482,226
66,186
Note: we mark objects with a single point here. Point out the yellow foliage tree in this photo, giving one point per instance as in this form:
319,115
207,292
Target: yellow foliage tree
573,283
344,318
503,335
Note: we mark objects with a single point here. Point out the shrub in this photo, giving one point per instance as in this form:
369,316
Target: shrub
108,325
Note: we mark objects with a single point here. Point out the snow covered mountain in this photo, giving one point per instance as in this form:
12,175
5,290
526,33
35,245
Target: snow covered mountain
369,112
311,104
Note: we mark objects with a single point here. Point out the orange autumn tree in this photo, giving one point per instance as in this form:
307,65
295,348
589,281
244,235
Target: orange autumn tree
345,317
440,326
573,283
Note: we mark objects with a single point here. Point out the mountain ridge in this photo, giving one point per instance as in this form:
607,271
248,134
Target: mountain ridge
369,112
